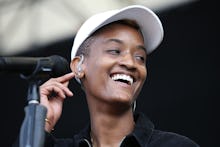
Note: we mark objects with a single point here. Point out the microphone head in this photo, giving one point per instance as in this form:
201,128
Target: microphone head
43,67
60,67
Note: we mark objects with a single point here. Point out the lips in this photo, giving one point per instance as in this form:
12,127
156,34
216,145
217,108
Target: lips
123,78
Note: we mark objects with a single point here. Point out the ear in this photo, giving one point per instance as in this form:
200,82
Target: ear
77,66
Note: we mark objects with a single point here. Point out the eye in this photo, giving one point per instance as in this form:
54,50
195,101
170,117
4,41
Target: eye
140,58
114,51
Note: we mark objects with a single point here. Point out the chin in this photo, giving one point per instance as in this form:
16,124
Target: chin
123,99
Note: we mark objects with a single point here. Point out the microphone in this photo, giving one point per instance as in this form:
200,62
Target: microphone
53,66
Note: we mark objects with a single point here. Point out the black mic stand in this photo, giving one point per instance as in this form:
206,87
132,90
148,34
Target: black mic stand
32,132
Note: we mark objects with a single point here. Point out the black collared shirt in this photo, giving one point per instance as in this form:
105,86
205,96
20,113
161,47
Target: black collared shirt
144,135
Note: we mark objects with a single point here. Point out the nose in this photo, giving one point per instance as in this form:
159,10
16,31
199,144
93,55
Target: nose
127,61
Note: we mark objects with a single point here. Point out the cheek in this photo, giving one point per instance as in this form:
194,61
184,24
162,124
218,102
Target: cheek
95,70
143,72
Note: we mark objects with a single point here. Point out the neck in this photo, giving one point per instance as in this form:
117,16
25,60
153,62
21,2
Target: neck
109,130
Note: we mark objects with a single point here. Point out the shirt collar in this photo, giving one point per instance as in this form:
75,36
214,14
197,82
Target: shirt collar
142,131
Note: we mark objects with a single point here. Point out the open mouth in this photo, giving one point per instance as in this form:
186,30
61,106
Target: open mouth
123,78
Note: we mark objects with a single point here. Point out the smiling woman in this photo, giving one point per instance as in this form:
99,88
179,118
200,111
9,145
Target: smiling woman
116,55
113,45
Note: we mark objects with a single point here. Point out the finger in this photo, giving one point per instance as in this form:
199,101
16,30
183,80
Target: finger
68,92
53,83
53,92
65,77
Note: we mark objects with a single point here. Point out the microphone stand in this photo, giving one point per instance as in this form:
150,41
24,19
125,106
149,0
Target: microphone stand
32,132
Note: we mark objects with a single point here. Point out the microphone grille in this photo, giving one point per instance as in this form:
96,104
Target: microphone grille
61,66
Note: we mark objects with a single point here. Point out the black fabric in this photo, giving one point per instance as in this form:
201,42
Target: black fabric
144,135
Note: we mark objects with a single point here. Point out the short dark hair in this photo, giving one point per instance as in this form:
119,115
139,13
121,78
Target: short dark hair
84,47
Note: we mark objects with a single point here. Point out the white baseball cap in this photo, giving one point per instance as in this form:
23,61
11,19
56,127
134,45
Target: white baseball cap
149,23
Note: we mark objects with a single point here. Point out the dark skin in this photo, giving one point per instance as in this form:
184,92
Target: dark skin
118,50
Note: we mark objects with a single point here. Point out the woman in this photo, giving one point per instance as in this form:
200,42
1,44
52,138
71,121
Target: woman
109,61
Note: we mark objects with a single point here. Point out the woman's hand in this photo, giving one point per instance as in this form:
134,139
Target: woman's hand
52,94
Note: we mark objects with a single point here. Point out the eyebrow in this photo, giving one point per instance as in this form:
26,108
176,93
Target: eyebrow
115,40
142,47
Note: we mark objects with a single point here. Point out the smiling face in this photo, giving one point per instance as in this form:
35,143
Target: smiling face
115,69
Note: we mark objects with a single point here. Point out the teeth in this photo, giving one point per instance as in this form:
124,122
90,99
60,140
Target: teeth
123,77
